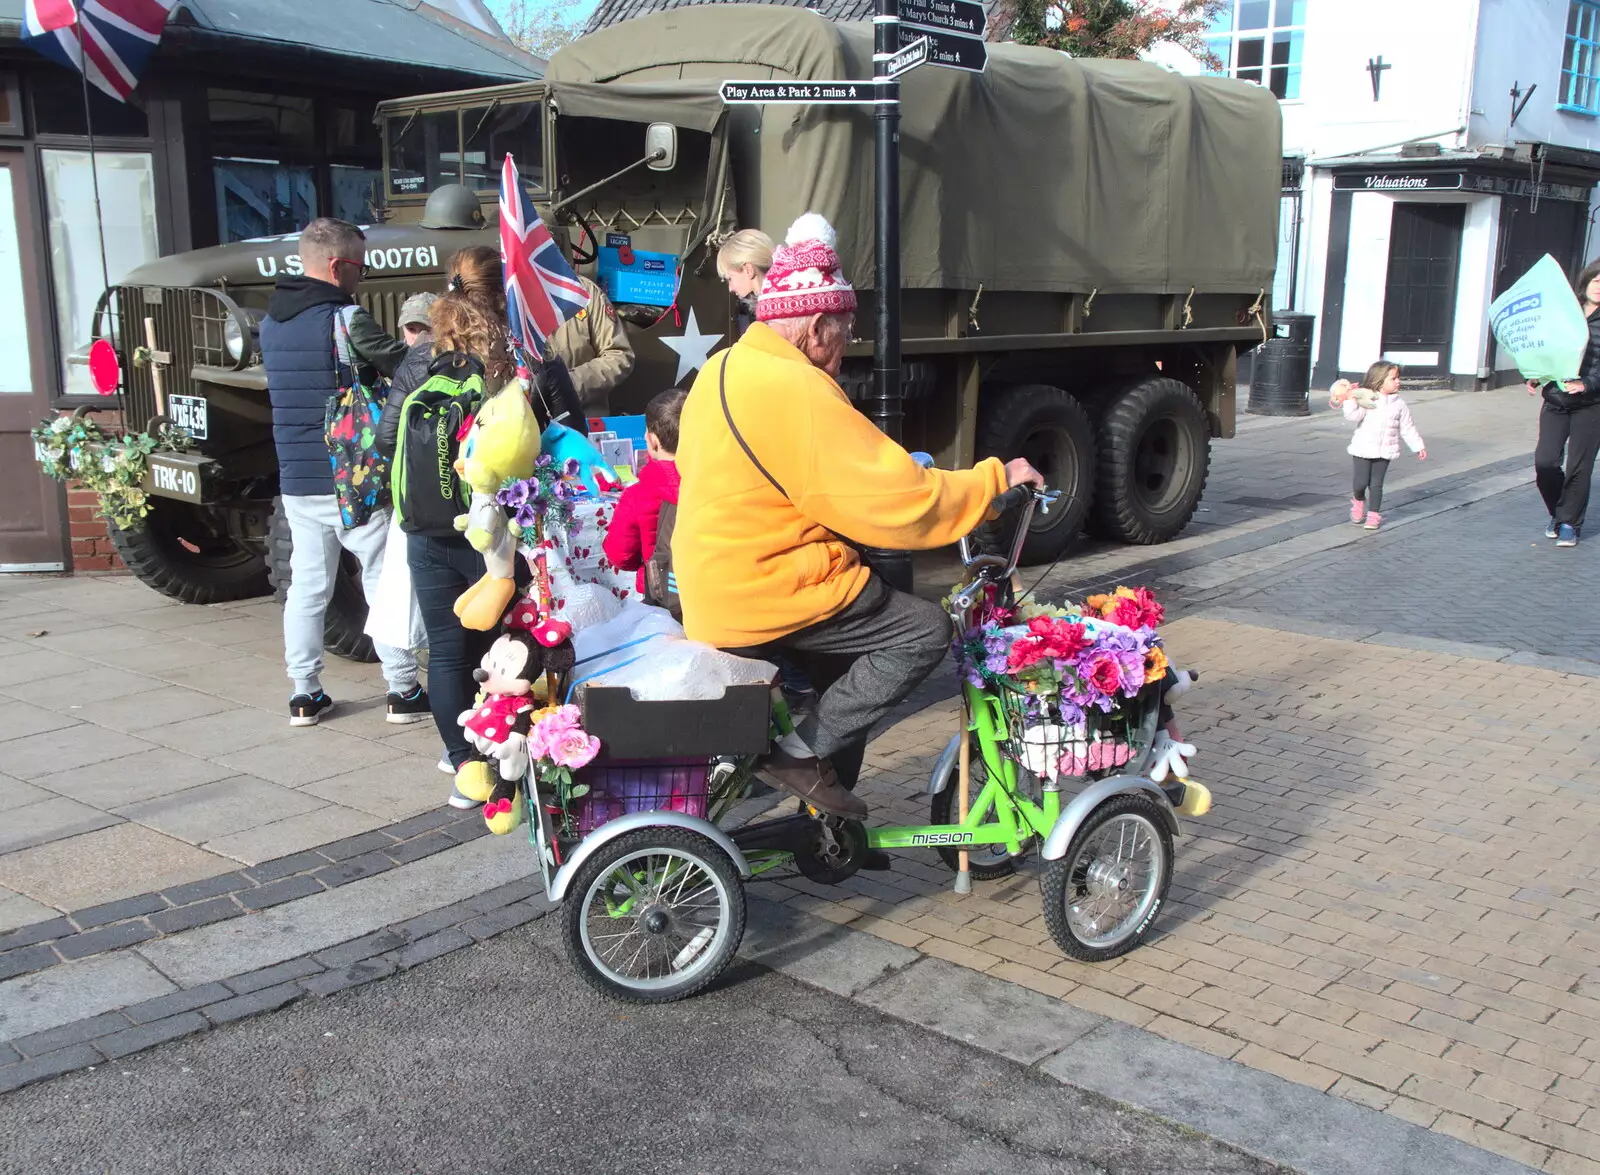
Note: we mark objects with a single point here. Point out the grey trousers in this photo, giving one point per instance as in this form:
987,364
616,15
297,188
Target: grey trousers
863,662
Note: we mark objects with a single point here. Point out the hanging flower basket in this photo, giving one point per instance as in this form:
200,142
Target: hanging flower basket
75,449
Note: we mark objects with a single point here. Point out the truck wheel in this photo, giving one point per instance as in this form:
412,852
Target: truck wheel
185,551
1155,452
347,610
1050,428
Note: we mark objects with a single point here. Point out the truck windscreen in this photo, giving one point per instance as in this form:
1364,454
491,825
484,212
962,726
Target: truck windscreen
425,147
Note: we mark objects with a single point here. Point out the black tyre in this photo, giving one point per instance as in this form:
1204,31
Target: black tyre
1102,897
1050,428
654,916
984,862
918,381
185,551
1155,452
347,610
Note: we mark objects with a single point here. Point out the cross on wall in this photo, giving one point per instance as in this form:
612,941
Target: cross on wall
1376,66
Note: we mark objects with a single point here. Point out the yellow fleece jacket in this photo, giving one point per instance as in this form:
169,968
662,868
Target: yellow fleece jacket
753,564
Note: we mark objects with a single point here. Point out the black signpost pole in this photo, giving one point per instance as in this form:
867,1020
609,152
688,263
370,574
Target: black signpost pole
888,410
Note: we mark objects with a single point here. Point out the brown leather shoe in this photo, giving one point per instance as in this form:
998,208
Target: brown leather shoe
814,782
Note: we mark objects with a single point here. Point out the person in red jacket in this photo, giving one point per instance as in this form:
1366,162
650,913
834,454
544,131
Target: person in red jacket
632,538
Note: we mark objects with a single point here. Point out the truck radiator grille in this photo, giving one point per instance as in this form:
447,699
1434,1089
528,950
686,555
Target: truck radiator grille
170,309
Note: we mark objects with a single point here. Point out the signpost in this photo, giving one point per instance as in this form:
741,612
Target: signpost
912,55
906,34
954,28
806,93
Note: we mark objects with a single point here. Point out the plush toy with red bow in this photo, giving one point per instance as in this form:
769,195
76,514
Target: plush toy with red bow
497,725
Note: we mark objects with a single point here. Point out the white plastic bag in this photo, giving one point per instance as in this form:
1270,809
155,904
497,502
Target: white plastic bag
394,618
1540,325
644,649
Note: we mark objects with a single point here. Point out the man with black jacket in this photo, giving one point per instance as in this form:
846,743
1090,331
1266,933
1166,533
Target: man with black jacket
297,346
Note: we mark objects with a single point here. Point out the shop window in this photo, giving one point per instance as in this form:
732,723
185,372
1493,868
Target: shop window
355,192
262,198
1261,41
424,152
56,96
493,132
10,105
1580,65
128,205
249,125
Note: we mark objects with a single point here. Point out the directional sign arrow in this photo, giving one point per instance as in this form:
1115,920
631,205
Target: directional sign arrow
911,56
949,16
951,50
841,93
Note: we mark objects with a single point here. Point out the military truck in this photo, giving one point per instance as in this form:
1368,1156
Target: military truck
1087,247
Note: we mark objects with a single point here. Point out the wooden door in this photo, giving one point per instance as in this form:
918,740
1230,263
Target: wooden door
31,505
1419,306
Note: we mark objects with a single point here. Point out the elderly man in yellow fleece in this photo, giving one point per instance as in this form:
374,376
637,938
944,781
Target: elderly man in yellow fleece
776,466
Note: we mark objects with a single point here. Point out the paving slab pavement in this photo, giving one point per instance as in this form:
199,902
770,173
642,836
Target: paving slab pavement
142,747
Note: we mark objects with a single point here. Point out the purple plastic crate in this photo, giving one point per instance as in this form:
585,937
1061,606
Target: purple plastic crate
658,785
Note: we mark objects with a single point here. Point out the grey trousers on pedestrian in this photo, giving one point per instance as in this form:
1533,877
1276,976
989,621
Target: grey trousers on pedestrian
863,662
319,535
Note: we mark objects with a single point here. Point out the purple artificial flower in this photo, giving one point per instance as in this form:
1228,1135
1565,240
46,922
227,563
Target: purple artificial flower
513,495
527,515
572,467
545,461
1071,712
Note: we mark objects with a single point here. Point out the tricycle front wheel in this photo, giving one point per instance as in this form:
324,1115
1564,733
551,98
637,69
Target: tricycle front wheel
655,915
1102,897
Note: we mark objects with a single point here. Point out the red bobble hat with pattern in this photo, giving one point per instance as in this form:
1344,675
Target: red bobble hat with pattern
805,277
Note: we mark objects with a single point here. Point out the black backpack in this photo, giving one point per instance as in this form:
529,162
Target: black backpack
428,494
660,585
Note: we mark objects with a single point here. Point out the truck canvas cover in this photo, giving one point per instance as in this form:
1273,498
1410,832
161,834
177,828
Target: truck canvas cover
1043,174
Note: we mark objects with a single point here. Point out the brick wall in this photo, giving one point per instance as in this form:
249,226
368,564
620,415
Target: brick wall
91,545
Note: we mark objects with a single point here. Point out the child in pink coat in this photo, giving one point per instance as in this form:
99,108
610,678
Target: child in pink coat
631,539
1382,421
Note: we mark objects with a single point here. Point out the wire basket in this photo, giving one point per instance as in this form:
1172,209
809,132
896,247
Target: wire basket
1039,739
619,788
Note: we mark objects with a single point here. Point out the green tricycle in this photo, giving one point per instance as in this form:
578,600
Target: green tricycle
650,862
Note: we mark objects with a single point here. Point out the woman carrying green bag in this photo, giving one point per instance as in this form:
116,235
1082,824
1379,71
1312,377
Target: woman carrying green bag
1570,421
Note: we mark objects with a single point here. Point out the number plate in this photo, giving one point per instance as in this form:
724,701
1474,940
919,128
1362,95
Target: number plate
174,476
189,414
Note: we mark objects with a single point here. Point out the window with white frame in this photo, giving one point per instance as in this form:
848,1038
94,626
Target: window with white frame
1580,65
1261,41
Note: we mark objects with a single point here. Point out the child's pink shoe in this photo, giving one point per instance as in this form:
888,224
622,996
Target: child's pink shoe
1374,520
1358,510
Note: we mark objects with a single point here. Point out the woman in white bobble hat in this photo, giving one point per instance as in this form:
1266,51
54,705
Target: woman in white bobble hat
776,466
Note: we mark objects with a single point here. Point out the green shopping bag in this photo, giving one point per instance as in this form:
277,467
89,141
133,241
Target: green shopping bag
1539,323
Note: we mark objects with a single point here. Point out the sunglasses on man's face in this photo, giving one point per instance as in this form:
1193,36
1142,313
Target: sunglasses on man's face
366,269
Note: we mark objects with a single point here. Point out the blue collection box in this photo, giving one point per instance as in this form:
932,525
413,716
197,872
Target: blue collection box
650,280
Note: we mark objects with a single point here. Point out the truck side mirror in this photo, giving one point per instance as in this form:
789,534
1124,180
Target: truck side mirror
661,146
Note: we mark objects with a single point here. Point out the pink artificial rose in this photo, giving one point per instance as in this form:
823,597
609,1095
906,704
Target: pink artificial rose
573,749
551,727
1105,676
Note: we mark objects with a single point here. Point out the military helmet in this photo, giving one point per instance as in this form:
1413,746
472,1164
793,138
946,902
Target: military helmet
452,206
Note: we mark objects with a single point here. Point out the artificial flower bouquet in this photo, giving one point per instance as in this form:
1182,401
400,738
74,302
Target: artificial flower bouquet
1072,679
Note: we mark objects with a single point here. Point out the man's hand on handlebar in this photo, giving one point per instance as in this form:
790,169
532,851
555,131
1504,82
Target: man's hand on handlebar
1019,472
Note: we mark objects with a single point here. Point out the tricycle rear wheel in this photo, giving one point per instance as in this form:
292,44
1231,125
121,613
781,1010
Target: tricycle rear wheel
655,915
1102,897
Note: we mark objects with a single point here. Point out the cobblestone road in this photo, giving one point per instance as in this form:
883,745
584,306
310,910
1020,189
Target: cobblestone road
1395,899
1482,574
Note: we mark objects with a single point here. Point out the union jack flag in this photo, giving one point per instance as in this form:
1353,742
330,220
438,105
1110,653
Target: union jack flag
542,292
109,40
